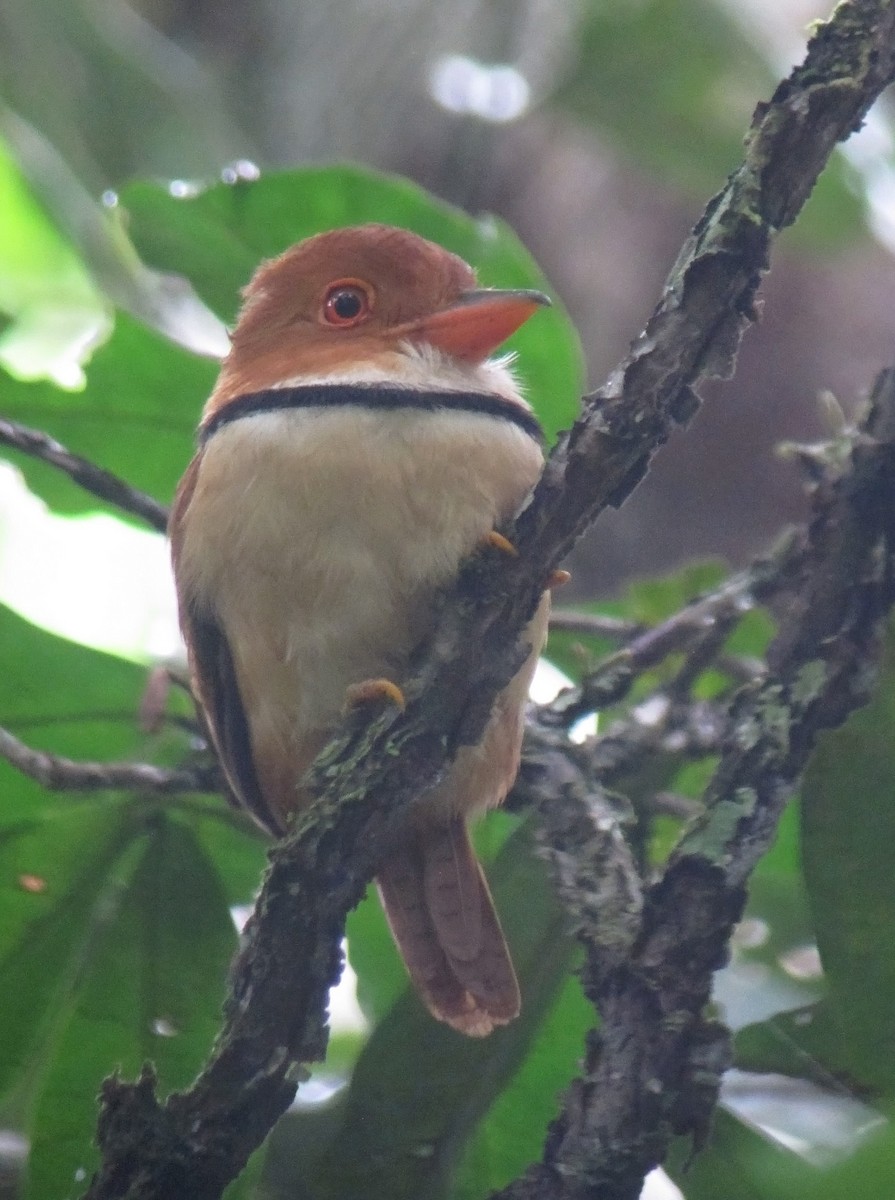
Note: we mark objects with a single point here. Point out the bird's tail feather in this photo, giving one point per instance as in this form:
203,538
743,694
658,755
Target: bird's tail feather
444,923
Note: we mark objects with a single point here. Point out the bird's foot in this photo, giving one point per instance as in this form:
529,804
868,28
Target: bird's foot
556,579
499,542
371,690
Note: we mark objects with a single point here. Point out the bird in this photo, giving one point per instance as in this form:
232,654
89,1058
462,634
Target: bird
362,439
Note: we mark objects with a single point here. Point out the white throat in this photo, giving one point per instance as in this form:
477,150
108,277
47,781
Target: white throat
423,368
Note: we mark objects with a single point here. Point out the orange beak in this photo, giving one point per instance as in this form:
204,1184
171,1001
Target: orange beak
476,323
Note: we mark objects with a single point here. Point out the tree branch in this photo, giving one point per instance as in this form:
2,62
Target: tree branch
702,625
59,774
616,629
370,775
654,1067
88,475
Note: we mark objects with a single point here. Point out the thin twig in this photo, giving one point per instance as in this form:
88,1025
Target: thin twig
56,773
699,630
86,474
617,629
673,634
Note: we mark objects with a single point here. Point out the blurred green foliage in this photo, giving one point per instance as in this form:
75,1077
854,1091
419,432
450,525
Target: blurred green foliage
673,84
660,76
46,294
848,834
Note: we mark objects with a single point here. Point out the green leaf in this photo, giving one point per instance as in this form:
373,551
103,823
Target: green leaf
803,1043
44,287
867,1173
115,91
149,987
420,1089
848,831
54,848
248,1183
219,236
381,977
736,1164
53,872
646,601
136,416
57,696
739,1163
113,920
508,1138
653,600
237,848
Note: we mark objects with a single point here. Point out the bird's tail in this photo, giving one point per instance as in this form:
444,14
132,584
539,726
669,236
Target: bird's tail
443,920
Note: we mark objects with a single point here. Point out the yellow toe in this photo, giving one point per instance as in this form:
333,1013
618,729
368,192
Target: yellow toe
499,542
371,690
558,579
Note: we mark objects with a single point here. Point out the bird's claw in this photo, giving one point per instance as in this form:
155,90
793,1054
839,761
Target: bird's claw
556,579
498,542
371,690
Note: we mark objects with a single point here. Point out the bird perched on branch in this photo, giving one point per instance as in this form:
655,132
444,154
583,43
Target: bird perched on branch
359,443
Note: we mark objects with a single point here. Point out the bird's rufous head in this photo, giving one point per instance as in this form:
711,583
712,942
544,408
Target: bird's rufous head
355,296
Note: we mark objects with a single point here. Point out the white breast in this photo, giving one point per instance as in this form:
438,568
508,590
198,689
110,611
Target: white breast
318,536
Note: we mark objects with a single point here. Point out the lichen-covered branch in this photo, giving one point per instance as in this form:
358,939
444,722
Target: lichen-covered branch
655,1044
371,774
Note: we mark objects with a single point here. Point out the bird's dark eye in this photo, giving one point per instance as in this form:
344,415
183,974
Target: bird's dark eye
347,302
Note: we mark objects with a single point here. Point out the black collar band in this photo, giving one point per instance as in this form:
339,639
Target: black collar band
367,395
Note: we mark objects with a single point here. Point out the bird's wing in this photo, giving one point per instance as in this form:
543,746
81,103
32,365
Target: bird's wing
214,679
